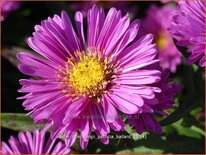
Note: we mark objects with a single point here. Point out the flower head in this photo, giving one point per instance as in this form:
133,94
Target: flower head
84,83
36,143
7,7
189,29
163,100
160,19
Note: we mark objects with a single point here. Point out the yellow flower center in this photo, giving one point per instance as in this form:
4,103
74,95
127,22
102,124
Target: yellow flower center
88,74
161,41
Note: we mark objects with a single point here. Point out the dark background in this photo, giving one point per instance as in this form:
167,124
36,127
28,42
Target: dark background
20,24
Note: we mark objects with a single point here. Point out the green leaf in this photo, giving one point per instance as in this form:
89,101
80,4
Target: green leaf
195,67
141,149
192,131
134,134
198,130
18,122
195,111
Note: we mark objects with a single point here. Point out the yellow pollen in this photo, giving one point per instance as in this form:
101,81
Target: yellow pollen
88,76
162,41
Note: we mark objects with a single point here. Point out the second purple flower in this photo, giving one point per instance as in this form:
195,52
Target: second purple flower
158,21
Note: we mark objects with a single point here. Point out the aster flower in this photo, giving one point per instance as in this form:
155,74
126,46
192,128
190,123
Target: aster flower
188,29
163,100
160,19
28,143
7,7
85,83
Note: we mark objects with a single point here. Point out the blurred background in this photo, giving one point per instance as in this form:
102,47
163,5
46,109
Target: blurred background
183,130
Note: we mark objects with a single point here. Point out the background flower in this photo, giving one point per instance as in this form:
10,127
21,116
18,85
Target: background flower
7,7
36,143
157,22
163,100
189,29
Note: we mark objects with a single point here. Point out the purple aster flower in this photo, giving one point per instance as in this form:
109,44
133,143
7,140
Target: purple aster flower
7,7
84,82
162,101
189,29
36,143
160,19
